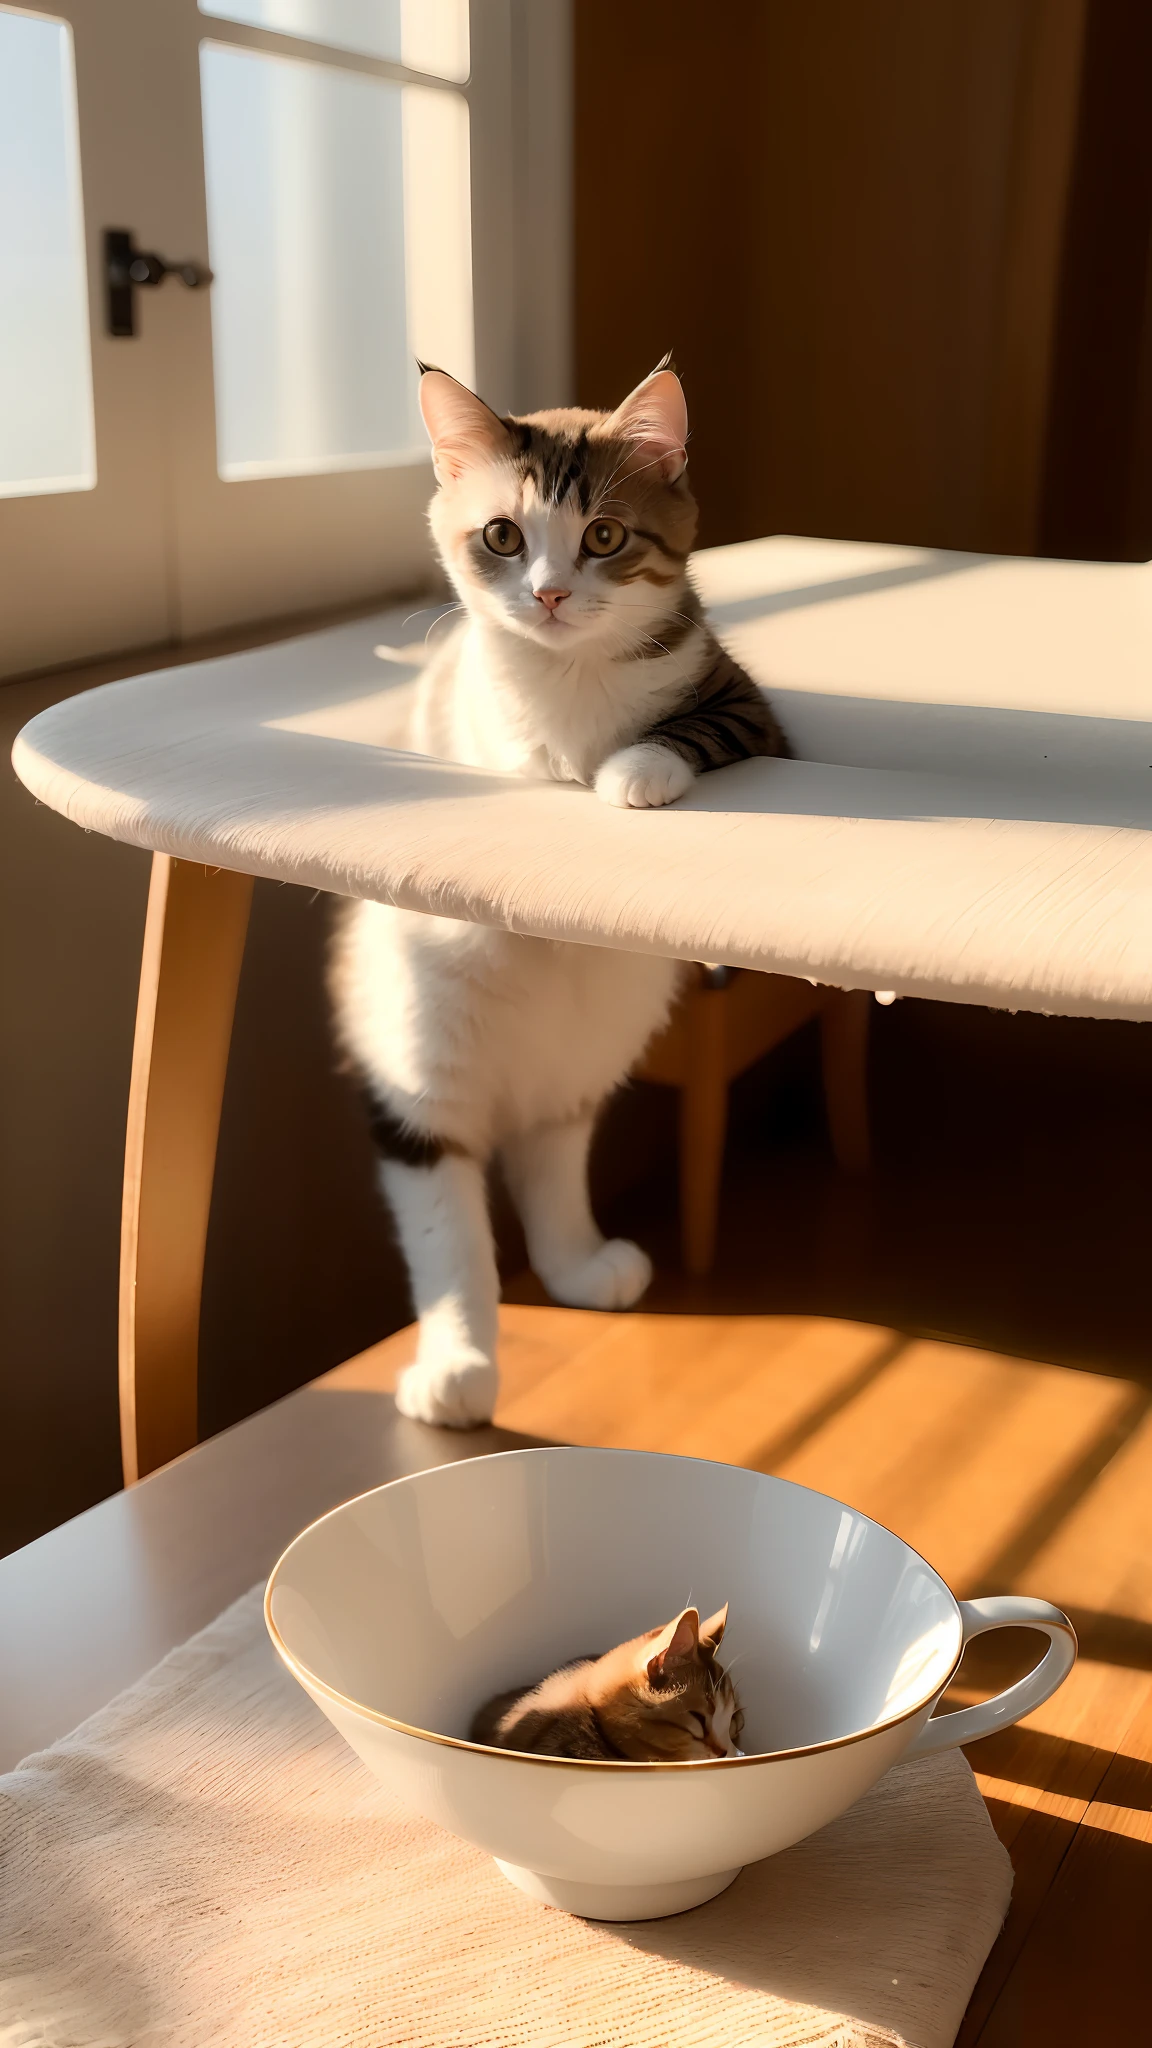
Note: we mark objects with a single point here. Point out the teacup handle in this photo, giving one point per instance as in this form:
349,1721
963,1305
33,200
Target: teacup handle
1003,1610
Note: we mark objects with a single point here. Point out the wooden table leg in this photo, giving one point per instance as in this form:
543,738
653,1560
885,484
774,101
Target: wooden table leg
844,1048
193,948
703,1126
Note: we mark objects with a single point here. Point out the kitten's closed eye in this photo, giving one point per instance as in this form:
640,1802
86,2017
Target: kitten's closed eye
662,1698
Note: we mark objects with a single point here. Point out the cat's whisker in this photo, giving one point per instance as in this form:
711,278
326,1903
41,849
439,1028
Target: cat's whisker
666,617
653,642
620,466
667,651
420,611
643,466
654,463
613,505
629,604
450,613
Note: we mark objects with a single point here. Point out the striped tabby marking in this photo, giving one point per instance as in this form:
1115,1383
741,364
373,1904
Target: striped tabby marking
724,717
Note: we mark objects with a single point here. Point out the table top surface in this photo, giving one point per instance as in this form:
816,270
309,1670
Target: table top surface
967,816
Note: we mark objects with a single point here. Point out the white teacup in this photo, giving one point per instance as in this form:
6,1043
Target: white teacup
402,1611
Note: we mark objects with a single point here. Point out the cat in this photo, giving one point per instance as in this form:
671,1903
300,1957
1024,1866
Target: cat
662,1698
582,656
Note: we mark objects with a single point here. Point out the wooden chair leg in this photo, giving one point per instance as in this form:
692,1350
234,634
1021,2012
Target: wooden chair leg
844,1048
193,947
703,1125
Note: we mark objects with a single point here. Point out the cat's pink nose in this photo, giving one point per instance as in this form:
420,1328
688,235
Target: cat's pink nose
551,598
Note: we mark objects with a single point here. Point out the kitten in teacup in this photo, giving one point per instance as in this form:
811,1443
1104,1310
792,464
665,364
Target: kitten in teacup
662,1698
582,656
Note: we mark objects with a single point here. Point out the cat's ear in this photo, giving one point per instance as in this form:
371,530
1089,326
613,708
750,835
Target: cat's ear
655,417
462,429
674,1645
712,1630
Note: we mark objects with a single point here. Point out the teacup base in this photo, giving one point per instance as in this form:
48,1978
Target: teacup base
618,1901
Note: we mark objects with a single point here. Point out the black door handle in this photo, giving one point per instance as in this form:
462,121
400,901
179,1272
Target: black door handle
125,267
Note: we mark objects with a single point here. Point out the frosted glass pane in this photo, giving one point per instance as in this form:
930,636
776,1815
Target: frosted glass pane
318,300
46,426
427,35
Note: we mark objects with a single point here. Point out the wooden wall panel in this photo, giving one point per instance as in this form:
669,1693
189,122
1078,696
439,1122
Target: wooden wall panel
846,221
1097,492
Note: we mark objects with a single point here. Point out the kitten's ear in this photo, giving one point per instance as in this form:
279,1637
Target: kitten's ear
462,429
656,418
712,1630
674,1645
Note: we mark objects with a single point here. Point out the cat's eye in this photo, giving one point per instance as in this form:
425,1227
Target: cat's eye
501,537
604,537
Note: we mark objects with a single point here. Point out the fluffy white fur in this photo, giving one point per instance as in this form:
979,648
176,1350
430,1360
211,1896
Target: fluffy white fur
494,1043
500,1044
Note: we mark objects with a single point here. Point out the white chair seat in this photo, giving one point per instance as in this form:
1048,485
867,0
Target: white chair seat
968,819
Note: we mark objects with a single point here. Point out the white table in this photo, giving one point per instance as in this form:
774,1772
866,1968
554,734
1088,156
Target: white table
967,818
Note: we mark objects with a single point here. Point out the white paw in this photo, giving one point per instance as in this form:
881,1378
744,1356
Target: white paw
642,778
455,1394
614,1277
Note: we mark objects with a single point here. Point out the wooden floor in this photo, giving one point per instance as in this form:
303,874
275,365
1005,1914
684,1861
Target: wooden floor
1008,1475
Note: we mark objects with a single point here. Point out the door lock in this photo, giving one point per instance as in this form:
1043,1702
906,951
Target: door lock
125,267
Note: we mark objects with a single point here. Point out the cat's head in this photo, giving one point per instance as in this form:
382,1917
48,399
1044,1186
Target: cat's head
569,528
665,1698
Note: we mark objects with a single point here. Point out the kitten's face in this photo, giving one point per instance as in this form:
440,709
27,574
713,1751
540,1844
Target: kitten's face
665,1698
570,529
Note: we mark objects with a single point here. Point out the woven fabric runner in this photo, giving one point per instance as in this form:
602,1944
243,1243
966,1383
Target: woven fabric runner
204,1864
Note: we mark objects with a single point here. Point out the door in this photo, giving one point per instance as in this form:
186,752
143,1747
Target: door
83,542
342,168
